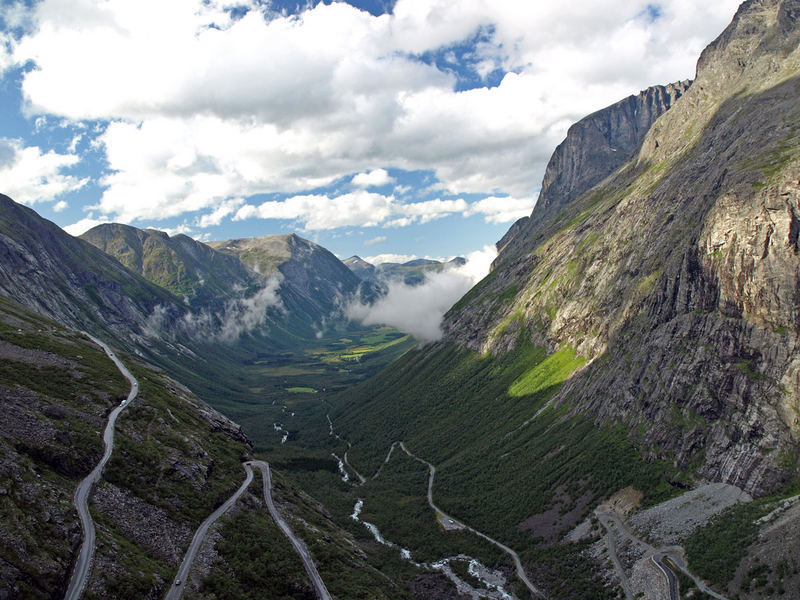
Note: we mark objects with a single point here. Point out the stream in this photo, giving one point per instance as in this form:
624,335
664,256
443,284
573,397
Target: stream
493,581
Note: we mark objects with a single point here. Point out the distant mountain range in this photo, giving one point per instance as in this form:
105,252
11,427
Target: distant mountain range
411,273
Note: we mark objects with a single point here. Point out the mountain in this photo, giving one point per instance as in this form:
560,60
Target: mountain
361,268
594,148
314,284
412,272
310,282
175,459
512,232
72,282
638,334
693,239
181,265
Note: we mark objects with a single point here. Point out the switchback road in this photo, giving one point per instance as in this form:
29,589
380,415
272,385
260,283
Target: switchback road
181,577
83,565
657,555
179,583
297,543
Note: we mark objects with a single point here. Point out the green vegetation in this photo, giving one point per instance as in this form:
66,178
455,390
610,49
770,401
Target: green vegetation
484,470
566,572
301,390
336,545
715,550
779,155
687,587
160,435
258,561
139,573
548,373
397,503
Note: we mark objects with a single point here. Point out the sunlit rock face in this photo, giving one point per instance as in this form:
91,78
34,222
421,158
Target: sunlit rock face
677,276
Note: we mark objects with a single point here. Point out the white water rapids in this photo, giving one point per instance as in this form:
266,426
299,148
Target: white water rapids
494,581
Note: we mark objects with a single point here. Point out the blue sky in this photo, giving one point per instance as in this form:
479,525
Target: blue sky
408,128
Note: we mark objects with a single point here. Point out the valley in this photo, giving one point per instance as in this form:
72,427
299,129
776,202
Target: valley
612,412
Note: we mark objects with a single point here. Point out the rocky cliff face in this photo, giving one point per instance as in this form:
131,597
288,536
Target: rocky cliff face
595,147
678,278
71,281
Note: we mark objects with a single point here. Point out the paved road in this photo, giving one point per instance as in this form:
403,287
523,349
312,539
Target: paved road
83,565
352,468
299,546
701,586
672,581
179,583
445,517
385,460
606,516
612,550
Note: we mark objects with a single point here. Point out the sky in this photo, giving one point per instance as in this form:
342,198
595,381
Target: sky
380,128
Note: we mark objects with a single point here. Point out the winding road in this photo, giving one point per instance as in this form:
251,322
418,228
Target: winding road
657,555
297,543
83,565
181,577
672,581
445,518
179,583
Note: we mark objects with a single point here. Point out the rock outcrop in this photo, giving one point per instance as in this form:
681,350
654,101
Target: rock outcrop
71,281
595,147
677,277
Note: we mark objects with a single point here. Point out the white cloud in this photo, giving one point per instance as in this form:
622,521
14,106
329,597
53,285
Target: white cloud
178,229
203,114
223,210
84,225
419,310
501,210
29,175
245,315
375,178
381,239
60,206
240,316
368,209
6,58
358,209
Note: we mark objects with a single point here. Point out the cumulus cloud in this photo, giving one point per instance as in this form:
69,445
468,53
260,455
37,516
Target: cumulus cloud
84,225
418,310
29,175
501,210
358,209
369,209
204,107
223,210
375,178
